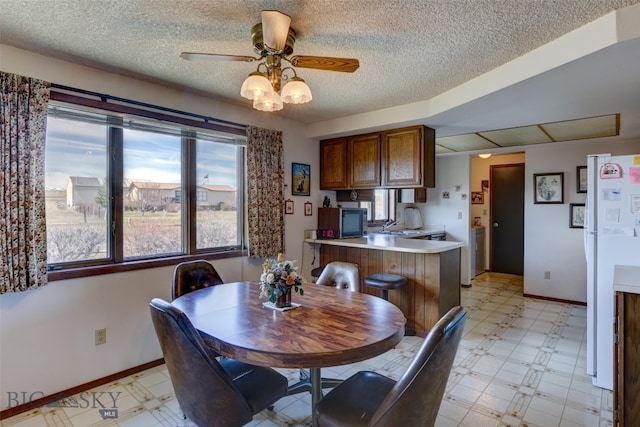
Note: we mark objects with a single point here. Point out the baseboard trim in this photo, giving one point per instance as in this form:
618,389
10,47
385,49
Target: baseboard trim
37,403
566,301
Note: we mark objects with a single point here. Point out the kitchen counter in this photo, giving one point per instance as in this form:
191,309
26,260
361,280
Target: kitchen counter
393,243
432,269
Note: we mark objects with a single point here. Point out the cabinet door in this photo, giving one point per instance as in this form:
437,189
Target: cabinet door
408,157
364,154
627,369
333,164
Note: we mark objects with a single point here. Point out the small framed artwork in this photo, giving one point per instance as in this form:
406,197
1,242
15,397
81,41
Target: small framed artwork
548,187
581,179
308,209
288,207
576,215
477,197
485,185
300,179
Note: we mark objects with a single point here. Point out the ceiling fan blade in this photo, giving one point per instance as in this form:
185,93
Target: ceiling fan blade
275,29
191,56
346,65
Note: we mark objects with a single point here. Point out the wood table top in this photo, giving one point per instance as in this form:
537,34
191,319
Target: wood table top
332,327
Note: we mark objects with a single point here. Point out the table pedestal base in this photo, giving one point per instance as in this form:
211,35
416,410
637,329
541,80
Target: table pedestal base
314,384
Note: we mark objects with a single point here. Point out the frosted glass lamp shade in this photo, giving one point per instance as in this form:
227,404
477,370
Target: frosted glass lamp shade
255,85
269,101
296,91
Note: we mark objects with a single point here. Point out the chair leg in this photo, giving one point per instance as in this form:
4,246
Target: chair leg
304,374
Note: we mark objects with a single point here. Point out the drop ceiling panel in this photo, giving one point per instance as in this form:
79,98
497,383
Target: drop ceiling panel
524,135
592,127
465,142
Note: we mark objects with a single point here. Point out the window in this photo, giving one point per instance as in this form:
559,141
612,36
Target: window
124,188
76,192
381,208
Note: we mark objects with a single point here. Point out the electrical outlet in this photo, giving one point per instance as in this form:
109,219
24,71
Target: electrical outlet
547,275
459,215
101,336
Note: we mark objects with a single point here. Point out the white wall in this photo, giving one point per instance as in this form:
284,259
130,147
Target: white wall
549,243
47,335
452,175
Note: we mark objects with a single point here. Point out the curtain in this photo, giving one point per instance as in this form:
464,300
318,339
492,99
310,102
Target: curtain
265,197
23,243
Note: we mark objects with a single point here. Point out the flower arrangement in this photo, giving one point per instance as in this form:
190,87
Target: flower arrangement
278,277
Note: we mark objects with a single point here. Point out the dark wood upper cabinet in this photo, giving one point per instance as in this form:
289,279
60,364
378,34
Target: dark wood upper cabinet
408,157
364,160
397,158
333,164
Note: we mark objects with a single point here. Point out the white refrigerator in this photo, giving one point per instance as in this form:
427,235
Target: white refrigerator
612,225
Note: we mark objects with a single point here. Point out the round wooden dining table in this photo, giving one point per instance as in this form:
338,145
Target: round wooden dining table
330,327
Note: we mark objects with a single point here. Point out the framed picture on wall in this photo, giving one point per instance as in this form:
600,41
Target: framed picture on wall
308,209
300,179
548,188
477,197
288,207
576,215
581,178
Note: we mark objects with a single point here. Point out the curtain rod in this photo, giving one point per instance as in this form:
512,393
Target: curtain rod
104,98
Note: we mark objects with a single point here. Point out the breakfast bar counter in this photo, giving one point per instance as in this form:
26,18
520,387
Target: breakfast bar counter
392,243
431,267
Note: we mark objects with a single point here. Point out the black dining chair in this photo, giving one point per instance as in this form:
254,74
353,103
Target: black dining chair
370,399
211,392
189,276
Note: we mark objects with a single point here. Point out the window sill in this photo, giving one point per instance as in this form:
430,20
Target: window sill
97,270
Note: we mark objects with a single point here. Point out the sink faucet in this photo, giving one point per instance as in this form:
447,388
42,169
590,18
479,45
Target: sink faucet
388,224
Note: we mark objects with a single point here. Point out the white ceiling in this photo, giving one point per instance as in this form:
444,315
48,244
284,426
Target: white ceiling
437,62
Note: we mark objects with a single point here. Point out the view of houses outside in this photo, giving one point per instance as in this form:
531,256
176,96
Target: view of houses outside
77,197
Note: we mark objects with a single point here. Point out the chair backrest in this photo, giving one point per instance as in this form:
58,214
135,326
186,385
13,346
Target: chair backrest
342,275
415,399
189,276
205,392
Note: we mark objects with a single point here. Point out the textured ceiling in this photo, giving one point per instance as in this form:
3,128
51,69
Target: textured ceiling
409,51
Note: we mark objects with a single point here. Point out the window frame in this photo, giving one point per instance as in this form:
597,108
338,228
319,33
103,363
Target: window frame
192,123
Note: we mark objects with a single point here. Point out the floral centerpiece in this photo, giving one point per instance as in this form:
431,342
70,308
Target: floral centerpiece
278,278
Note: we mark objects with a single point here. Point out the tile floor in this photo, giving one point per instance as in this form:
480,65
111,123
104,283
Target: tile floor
521,362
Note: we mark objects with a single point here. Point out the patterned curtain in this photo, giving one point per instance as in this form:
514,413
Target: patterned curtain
23,243
265,198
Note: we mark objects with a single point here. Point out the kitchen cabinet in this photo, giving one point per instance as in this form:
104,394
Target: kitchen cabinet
364,160
408,157
333,164
397,158
627,360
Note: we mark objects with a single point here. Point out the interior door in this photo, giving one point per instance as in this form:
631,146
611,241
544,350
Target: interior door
507,219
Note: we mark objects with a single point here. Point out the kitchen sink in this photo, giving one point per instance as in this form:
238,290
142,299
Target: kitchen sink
399,232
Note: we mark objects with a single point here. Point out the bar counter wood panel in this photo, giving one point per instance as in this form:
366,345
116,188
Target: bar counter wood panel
434,280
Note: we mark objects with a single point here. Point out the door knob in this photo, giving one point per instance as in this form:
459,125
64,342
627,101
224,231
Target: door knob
495,225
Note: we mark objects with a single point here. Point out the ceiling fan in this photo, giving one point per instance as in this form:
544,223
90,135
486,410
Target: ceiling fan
273,40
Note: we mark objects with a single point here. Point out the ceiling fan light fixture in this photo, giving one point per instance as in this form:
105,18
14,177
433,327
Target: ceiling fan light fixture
255,85
296,91
268,101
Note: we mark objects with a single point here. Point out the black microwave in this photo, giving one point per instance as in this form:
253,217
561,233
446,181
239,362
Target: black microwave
341,223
